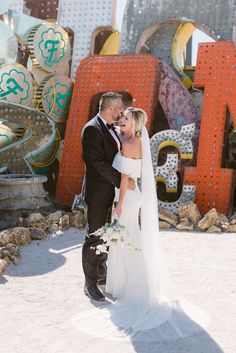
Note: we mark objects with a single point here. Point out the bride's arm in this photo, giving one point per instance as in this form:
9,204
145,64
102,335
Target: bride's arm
124,184
123,188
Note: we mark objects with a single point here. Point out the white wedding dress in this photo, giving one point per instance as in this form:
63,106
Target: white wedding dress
140,311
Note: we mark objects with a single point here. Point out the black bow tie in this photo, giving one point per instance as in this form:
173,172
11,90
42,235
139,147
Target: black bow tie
110,126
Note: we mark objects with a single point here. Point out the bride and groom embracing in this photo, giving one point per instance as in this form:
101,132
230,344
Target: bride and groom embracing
114,162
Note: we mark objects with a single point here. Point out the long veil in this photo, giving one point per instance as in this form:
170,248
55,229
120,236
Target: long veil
149,220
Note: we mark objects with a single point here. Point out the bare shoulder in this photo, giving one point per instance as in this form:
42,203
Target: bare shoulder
132,148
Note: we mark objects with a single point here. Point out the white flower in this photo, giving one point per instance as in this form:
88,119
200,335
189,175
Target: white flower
102,248
105,237
113,234
109,232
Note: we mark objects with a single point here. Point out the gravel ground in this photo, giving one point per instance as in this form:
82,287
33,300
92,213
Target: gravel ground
40,296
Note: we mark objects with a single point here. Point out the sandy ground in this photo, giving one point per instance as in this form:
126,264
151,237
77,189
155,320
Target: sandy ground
39,297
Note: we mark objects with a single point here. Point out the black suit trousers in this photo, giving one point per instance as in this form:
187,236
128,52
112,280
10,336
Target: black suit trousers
94,265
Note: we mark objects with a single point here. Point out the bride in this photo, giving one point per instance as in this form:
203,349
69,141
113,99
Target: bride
135,279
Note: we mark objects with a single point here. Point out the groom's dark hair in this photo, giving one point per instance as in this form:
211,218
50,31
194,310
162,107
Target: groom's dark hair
106,99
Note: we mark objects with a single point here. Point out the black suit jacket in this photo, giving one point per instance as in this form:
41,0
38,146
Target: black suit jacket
99,150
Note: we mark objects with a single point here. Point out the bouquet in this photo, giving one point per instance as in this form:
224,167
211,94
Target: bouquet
112,233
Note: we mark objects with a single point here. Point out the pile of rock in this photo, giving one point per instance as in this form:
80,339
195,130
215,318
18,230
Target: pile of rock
34,227
37,227
190,218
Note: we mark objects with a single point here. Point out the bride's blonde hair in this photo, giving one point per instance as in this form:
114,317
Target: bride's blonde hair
139,117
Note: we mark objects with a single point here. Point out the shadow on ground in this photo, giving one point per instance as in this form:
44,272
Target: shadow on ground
47,255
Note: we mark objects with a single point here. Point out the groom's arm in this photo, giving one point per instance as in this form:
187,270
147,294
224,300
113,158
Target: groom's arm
94,155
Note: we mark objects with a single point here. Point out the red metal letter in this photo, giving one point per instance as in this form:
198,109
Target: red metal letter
216,71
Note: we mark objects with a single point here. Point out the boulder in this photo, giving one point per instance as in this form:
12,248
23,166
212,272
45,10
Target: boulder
4,252
36,220
10,253
191,212
53,228
232,228
21,235
222,222
208,220
164,225
185,225
168,216
213,229
40,225
17,235
16,259
7,222
13,248
3,265
37,233
233,219
54,217
21,222
35,217
185,219
77,220
6,236
64,222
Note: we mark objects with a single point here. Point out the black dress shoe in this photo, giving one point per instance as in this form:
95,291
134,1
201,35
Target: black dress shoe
93,292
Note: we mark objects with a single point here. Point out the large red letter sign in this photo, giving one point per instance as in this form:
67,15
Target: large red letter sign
216,72
136,74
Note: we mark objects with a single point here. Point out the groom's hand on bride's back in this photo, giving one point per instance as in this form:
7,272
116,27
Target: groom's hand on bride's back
131,184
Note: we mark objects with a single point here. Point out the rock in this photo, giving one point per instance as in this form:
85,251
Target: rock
3,265
16,259
232,228
7,259
213,229
37,233
208,220
21,222
35,217
164,225
22,235
8,222
10,253
13,248
222,218
185,219
64,222
36,220
40,224
190,211
54,217
53,228
17,235
222,222
168,216
6,236
184,225
77,219
233,219
4,252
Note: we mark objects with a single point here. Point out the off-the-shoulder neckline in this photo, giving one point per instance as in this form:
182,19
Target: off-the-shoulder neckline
133,159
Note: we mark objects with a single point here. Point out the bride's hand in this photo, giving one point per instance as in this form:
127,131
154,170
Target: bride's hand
117,211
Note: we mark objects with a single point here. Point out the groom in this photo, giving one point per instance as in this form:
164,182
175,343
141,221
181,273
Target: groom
100,144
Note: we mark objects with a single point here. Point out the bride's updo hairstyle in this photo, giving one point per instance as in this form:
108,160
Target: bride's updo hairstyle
139,117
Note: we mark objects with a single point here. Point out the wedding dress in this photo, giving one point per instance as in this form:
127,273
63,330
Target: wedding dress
141,312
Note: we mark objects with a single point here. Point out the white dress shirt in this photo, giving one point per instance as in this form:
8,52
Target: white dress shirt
111,132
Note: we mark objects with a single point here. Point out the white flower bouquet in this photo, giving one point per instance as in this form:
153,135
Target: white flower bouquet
112,234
